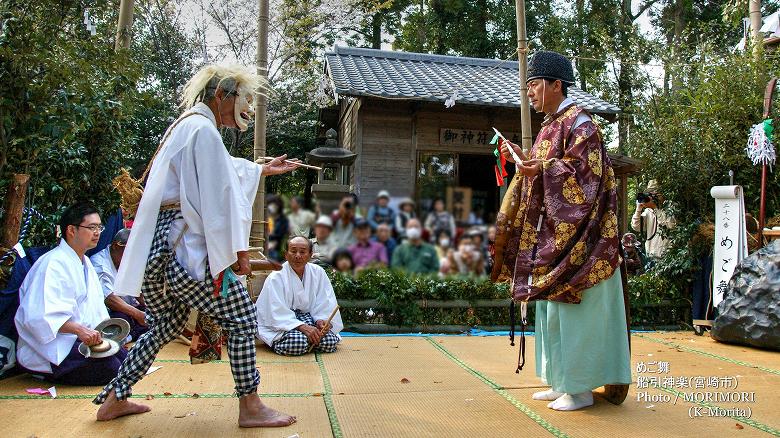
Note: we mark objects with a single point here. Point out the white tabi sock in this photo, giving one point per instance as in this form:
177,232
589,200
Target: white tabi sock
547,395
572,402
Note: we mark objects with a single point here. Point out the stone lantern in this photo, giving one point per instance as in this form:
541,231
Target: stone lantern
333,180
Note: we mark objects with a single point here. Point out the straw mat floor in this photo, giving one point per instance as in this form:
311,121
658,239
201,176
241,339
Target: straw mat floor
426,386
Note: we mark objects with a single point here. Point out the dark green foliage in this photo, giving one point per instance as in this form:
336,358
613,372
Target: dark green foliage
657,299
690,138
397,293
401,299
64,96
72,110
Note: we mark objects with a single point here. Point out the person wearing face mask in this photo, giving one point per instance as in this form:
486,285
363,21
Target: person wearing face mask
414,255
191,227
405,212
557,244
443,244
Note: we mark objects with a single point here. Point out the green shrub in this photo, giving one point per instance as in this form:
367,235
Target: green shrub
398,293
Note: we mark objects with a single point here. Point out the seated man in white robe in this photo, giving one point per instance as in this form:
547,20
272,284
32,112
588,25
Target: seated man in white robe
60,303
129,308
294,306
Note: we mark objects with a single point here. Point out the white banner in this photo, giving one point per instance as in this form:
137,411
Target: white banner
730,237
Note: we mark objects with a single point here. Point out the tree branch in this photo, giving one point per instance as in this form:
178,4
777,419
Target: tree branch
647,5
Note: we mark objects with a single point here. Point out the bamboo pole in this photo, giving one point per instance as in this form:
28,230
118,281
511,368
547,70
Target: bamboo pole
257,233
14,207
522,57
124,27
762,208
325,328
769,94
754,9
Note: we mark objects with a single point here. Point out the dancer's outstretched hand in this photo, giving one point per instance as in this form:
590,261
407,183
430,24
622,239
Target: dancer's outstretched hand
278,166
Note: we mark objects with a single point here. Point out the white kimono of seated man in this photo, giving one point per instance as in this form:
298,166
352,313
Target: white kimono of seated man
297,300
60,301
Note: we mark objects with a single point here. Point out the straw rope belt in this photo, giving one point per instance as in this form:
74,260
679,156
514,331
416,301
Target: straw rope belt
174,206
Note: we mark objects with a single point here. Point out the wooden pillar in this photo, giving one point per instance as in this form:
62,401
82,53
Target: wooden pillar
14,207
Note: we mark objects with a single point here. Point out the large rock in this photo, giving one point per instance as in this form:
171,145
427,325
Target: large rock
750,311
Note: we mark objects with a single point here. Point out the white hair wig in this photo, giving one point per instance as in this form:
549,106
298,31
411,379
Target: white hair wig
232,78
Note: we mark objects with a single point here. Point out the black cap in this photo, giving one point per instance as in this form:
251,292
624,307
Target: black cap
550,65
361,223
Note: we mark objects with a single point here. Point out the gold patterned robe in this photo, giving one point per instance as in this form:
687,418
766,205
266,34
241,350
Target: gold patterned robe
557,232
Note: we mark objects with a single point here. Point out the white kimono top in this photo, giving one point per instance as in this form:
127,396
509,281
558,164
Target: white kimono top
284,292
216,192
106,272
58,288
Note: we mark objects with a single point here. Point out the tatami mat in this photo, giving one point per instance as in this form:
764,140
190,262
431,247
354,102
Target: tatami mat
217,378
495,358
393,364
694,367
689,342
168,418
473,413
178,378
634,419
444,386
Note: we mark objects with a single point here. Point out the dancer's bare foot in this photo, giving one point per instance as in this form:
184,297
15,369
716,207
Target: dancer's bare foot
253,413
113,408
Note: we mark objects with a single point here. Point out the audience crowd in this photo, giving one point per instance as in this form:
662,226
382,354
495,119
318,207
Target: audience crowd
350,238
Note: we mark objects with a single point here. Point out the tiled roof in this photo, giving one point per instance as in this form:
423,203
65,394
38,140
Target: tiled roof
434,78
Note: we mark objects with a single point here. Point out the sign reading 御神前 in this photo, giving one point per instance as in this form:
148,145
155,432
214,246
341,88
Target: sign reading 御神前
472,137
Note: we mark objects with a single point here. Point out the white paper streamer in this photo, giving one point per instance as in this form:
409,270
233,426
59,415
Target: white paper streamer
759,148
450,102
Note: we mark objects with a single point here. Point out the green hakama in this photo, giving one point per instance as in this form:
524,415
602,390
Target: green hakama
580,347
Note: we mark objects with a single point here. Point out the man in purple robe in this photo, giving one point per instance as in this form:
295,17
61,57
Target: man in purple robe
557,244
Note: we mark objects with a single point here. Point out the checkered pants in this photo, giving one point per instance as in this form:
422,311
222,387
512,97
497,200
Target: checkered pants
295,343
169,293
